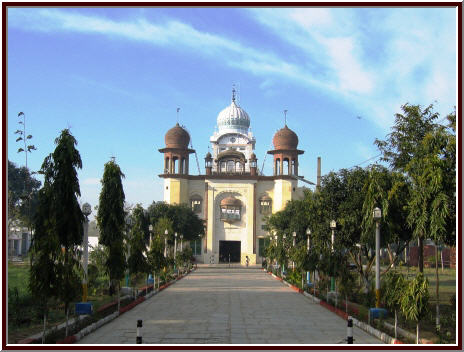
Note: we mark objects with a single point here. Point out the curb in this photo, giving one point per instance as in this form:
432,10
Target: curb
92,327
363,326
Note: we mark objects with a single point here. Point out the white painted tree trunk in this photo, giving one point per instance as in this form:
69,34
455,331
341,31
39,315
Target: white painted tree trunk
396,325
417,333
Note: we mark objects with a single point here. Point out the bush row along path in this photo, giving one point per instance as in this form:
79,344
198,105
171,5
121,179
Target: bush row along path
228,306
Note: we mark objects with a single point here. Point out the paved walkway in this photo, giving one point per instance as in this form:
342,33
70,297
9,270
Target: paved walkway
228,306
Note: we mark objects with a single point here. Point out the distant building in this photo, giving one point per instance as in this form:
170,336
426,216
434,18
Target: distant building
19,240
232,197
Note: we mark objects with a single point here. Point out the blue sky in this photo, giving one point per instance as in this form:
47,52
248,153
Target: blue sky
115,77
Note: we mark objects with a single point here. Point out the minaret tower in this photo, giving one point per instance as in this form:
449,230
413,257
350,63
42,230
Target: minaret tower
176,164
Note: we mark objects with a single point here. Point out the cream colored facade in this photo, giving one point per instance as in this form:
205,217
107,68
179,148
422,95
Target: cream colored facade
227,179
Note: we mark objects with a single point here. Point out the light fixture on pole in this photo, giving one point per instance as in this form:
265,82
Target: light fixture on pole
165,242
86,210
128,223
175,244
175,250
308,234
283,245
333,226
308,274
294,242
150,229
377,215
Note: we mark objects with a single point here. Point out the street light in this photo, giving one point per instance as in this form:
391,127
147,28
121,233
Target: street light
308,274
333,226
86,210
377,215
165,242
308,234
283,245
294,242
128,223
150,229
175,245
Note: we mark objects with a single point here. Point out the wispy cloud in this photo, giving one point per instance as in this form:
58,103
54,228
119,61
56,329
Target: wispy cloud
412,58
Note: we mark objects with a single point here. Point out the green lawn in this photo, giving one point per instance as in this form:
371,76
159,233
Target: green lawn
447,281
18,276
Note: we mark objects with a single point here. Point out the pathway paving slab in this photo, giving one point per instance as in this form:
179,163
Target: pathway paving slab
217,305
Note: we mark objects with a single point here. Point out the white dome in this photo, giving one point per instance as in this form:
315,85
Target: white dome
233,117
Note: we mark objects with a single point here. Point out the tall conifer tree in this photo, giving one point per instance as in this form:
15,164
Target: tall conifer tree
110,220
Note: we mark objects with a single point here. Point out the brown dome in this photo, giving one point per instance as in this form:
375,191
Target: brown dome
253,156
208,156
177,137
231,201
285,139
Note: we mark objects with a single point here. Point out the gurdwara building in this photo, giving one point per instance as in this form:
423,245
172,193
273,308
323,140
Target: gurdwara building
233,197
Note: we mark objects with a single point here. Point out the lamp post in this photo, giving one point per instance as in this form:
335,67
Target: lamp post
175,250
294,242
308,234
377,215
150,229
283,246
86,210
165,242
128,223
333,226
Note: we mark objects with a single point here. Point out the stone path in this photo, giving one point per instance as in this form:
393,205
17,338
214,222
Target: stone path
228,306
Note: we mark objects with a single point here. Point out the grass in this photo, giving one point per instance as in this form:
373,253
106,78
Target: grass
18,276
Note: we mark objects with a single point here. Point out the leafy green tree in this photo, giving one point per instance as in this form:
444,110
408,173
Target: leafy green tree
402,148
390,191
137,261
415,301
394,286
184,220
431,206
45,249
111,222
22,188
65,218
155,256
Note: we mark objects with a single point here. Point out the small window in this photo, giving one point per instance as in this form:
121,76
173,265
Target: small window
265,205
195,203
242,148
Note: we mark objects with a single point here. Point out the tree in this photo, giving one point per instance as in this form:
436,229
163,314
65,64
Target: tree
415,301
22,186
184,220
402,147
137,262
431,206
65,218
45,249
394,286
24,138
390,191
111,222
155,256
